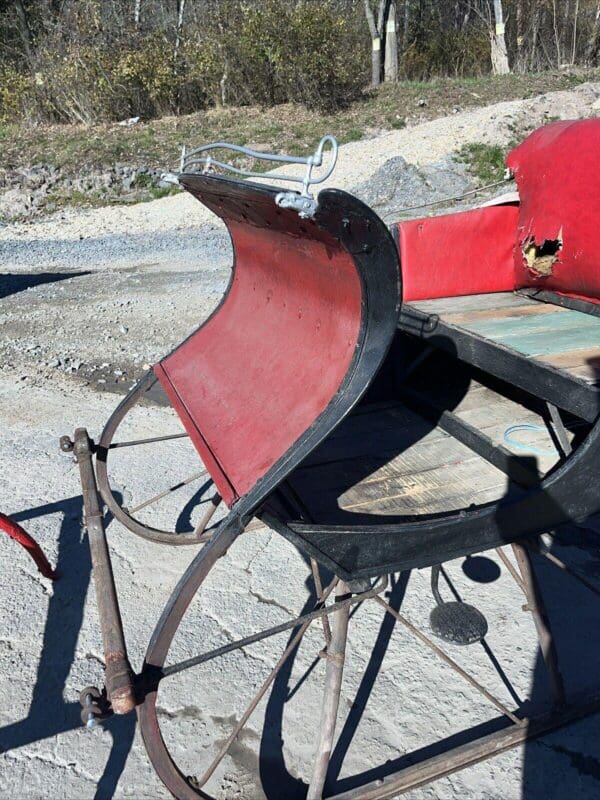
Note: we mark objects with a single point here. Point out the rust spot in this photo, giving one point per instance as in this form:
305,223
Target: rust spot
540,258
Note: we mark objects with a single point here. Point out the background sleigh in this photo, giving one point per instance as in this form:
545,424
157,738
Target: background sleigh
359,390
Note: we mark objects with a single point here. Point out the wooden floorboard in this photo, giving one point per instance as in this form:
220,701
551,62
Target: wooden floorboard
472,302
558,337
386,459
398,469
584,363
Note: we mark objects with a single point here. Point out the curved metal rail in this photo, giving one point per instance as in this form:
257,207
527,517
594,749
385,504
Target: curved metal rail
304,202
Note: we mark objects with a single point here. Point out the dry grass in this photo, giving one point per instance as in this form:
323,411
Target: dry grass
288,128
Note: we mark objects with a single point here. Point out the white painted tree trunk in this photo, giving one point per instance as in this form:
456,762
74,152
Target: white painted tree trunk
390,69
180,13
375,45
498,52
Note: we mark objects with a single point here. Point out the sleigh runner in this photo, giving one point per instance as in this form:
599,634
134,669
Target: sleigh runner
356,390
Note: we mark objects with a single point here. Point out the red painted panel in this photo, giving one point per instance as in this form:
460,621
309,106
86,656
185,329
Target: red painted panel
557,169
470,252
251,380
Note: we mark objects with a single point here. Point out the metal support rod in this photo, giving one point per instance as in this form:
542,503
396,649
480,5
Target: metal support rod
185,482
258,696
335,656
435,584
319,592
322,609
510,567
451,663
119,676
214,503
135,442
535,604
559,429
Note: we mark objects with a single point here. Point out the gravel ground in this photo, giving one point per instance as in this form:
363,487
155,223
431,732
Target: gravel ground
86,300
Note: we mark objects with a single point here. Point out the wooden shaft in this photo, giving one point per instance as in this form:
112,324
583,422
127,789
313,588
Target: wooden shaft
535,604
119,676
335,655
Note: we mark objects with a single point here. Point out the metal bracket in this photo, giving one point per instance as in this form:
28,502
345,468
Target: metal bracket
304,204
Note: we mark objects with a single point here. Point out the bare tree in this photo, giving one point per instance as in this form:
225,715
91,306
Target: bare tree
592,44
24,31
499,52
391,45
520,59
538,11
137,12
556,36
575,21
376,29
178,29
405,24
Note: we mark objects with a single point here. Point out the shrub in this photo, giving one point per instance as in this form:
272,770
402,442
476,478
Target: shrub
326,65
265,53
434,52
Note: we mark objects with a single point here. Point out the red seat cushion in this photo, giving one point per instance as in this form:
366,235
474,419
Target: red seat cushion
557,169
470,252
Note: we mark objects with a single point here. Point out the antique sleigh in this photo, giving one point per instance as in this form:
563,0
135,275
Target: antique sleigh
357,391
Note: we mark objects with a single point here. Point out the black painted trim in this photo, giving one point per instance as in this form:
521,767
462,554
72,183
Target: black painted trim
569,493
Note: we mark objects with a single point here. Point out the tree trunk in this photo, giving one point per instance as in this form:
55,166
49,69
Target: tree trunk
498,52
375,45
592,43
377,31
520,60
137,11
556,36
24,31
405,25
180,13
575,21
564,28
391,45
537,17
223,86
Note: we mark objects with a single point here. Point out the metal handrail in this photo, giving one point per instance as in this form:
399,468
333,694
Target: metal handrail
303,202
192,158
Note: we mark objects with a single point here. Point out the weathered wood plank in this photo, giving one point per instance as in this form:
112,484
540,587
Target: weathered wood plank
561,322
542,331
536,309
543,343
398,468
584,363
471,302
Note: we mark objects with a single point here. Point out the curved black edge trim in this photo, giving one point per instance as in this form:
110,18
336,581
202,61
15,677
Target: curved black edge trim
367,239
570,492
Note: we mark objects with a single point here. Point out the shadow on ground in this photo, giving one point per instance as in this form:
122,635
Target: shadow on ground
12,283
49,713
